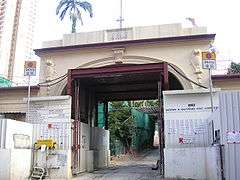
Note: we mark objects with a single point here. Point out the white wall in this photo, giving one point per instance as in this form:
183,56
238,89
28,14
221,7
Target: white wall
194,163
188,104
100,145
230,122
15,149
189,135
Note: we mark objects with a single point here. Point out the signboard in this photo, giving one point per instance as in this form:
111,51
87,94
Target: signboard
50,110
209,60
30,68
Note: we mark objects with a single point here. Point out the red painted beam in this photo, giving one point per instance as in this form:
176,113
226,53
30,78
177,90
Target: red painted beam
106,71
165,76
69,83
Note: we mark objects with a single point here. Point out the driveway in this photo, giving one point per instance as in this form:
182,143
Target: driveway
139,168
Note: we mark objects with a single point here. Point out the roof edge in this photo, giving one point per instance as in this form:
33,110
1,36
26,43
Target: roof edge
223,77
124,43
20,88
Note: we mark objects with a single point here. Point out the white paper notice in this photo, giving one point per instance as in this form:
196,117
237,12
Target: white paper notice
233,137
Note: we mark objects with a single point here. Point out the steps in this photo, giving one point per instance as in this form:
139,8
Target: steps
38,173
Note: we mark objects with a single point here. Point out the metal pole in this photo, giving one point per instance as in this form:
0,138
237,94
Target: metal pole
121,12
29,95
160,129
210,88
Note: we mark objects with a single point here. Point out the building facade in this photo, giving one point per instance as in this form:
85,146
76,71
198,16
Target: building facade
226,81
17,28
180,47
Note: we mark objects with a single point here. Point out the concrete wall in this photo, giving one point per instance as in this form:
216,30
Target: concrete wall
15,149
11,99
15,134
131,33
188,104
189,135
230,132
100,146
192,163
15,164
228,84
185,55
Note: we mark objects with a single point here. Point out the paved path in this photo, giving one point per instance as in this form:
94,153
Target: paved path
138,169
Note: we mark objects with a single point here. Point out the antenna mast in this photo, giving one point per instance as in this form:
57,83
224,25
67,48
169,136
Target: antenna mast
120,20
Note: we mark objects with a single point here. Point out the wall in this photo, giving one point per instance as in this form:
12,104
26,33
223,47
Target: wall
188,104
229,102
100,146
227,84
188,131
51,119
192,163
180,53
9,128
15,149
15,164
11,99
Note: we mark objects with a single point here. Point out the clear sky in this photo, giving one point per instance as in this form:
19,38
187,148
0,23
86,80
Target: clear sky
220,16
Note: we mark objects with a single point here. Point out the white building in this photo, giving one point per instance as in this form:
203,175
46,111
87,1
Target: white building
17,28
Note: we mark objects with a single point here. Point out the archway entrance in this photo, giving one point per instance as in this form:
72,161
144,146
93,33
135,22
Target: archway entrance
88,86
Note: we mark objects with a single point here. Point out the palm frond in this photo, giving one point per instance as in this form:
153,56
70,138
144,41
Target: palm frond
86,6
79,15
63,13
60,5
74,8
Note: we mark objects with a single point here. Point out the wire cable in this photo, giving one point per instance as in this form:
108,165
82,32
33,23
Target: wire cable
185,77
63,76
47,83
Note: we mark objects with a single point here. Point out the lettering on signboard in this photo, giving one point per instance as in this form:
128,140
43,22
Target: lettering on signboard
119,34
190,108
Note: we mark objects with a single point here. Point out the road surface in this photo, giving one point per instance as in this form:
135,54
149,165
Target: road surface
138,169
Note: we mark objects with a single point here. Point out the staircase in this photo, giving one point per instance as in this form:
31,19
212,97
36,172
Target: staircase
37,173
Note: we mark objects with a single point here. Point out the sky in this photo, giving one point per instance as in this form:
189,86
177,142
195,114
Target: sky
220,17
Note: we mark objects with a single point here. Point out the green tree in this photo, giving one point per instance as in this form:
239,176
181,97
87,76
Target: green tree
234,68
122,123
74,8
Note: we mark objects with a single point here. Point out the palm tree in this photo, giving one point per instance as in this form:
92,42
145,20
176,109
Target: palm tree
73,6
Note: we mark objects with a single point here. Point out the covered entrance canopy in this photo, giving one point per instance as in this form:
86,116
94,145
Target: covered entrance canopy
89,86
121,82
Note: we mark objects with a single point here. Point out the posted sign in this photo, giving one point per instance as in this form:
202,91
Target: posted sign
30,68
209,60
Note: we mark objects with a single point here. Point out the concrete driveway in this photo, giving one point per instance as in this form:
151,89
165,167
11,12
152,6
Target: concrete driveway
139,168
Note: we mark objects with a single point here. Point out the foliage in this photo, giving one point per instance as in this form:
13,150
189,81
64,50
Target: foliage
122,123
124,126
234,68
74,8
145,103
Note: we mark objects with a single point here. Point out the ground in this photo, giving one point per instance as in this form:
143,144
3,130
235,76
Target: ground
139,168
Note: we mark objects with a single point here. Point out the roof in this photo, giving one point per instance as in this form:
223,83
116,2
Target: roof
126,43
224,77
